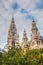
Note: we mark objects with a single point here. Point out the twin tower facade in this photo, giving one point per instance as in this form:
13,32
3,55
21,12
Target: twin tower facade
36,41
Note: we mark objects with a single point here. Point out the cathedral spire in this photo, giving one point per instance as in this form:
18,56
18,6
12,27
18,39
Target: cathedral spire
24,36
12,21
34,28
12,18
12,25
35,40
24,41
12,35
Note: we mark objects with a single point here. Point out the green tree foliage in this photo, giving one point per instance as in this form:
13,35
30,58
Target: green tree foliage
16,57
0,58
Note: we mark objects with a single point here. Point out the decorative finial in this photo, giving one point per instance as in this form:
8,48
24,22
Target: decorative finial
33,20
24,30
13,17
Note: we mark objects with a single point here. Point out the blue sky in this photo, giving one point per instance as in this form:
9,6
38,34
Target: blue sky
24,11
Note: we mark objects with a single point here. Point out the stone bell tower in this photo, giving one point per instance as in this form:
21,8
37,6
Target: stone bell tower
24,42
13,38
